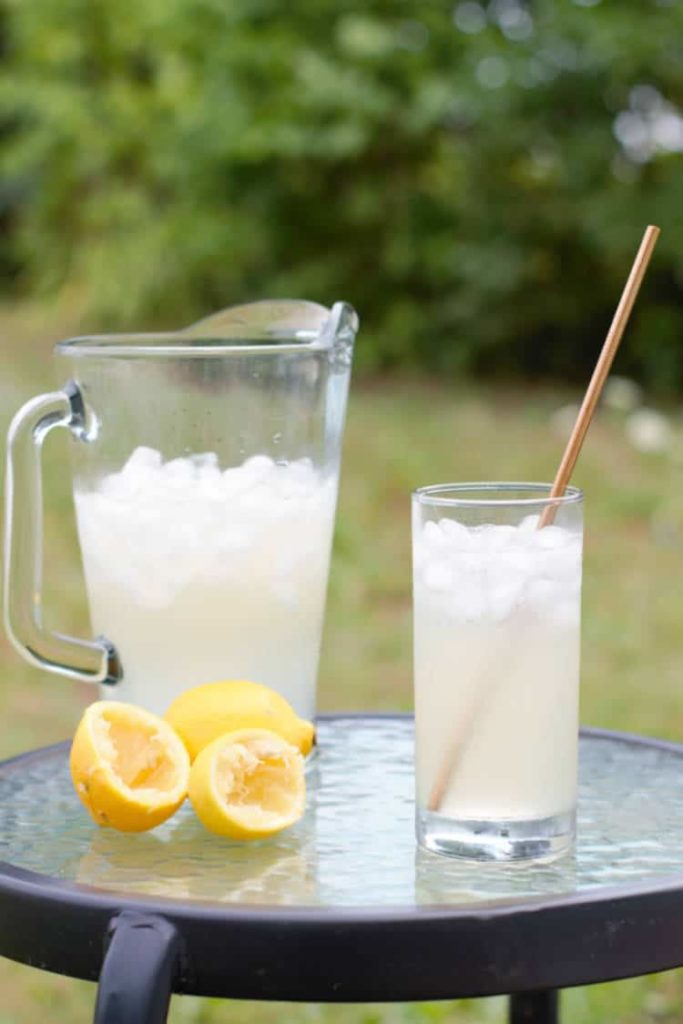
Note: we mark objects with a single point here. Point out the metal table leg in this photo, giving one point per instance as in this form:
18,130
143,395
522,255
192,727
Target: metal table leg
138,971
535,1007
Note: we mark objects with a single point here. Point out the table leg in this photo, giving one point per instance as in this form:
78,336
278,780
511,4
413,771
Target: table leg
138,970
534,1007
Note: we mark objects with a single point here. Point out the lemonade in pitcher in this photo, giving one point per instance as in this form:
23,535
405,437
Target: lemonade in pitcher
200,572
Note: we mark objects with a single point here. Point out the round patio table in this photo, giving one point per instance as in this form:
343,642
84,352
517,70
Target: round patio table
344,907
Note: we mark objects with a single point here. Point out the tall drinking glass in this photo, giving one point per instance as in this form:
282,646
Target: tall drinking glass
205,470
496,645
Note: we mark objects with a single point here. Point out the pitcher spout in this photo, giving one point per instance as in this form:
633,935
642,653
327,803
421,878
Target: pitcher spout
340,330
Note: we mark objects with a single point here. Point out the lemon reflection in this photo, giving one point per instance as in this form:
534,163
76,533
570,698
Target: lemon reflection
183,861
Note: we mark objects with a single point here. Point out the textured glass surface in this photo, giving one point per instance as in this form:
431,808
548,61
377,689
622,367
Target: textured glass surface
356,844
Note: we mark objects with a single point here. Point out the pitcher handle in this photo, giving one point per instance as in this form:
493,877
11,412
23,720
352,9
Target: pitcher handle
93,661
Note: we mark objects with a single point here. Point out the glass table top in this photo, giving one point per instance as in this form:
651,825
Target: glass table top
355,845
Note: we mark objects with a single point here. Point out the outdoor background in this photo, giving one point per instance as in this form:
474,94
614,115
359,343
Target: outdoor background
475,179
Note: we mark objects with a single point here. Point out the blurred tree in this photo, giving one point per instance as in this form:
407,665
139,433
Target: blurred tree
474,177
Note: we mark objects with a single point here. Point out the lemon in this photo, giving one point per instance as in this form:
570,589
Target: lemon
248,784
205,712
128,766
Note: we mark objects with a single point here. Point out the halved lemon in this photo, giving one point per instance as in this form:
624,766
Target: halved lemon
204,713
248,784
129,767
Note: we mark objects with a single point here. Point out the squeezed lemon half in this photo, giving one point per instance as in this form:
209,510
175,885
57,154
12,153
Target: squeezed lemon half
204,713
248,784
128,766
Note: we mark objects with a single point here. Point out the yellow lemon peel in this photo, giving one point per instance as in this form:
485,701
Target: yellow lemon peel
248,784
128,766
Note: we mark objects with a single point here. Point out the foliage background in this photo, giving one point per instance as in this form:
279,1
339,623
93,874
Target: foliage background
475,178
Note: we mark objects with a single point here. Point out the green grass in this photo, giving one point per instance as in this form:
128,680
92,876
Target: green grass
401,434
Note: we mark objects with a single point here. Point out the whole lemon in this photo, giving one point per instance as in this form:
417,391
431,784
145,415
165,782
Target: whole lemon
204,713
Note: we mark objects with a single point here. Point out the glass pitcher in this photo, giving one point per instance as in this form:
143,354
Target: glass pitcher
205,470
